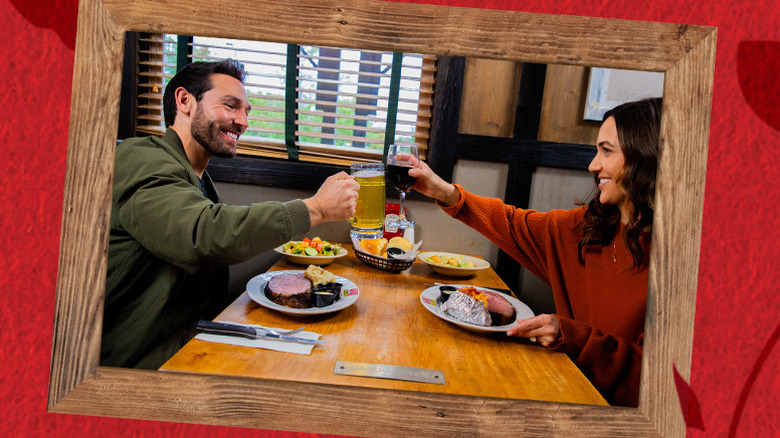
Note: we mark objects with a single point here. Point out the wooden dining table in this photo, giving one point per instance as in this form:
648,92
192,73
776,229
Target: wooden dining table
389,326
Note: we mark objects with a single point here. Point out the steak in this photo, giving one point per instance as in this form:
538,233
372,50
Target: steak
290,290
501,310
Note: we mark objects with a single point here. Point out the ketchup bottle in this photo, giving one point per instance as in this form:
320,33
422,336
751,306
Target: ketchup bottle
391,215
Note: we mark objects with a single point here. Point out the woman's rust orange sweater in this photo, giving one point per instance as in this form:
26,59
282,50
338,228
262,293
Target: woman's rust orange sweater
600,304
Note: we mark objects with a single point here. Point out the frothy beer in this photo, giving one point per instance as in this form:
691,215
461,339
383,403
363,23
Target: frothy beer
370,211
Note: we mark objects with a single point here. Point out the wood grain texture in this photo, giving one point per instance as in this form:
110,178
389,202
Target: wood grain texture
530,152
674,258
684,53
371,412
388,325
446,112
563,106
490,89
406,27
87,200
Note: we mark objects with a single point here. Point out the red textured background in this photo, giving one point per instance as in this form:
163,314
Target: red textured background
736,356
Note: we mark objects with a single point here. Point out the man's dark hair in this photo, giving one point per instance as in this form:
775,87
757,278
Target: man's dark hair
194,77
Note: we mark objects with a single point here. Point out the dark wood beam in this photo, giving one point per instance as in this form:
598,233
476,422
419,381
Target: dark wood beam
518,194
446,115
522,151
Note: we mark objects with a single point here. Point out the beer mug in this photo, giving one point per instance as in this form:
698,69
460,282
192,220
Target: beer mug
369,216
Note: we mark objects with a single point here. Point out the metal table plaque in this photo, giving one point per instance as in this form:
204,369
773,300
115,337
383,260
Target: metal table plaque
392,372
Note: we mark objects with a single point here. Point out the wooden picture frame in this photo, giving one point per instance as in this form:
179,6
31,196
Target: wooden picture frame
79,385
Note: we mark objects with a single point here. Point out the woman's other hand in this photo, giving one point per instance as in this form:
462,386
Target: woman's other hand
545,328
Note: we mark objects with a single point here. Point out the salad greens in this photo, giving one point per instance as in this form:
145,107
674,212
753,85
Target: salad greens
311,247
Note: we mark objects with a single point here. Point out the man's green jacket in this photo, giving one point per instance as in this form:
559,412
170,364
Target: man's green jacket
169,248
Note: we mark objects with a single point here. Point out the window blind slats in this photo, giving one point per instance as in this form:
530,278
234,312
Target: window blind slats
341,104
367,74
154,117
307,91
341,116
150,96
252,131
312,134
266,108
328,103
338,126
266,119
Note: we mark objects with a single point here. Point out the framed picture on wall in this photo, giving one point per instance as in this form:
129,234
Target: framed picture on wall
609,87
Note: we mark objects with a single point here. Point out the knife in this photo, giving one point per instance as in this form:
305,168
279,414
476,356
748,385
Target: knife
249,332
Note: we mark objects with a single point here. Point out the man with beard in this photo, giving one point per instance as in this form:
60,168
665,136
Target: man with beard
172,238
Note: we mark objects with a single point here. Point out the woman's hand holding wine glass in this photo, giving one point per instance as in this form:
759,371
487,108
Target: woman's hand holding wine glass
401,158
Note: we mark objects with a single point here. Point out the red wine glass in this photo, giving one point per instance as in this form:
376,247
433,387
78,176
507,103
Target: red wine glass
401,158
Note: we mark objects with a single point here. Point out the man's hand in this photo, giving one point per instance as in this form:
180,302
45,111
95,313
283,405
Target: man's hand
335,200
544,328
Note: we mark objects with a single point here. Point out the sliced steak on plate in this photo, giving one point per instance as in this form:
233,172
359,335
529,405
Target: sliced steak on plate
501,309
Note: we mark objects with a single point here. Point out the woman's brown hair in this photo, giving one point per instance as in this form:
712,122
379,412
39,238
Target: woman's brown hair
638,128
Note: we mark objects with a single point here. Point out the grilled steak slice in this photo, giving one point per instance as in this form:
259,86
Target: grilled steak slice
290,290
502,311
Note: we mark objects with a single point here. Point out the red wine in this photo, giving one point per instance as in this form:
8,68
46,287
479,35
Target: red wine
399,177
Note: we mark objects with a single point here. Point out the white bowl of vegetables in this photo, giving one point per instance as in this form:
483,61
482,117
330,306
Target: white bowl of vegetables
451,264
311,251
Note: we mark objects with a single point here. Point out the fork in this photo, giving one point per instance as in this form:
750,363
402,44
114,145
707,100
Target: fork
286,333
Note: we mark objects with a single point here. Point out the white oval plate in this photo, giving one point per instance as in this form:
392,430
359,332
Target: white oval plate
306,260
256,290
429,299
452,270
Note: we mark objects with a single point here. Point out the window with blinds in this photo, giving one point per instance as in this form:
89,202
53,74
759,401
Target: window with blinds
347,103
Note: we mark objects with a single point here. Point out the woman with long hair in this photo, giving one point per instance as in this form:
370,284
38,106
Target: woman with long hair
594,257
